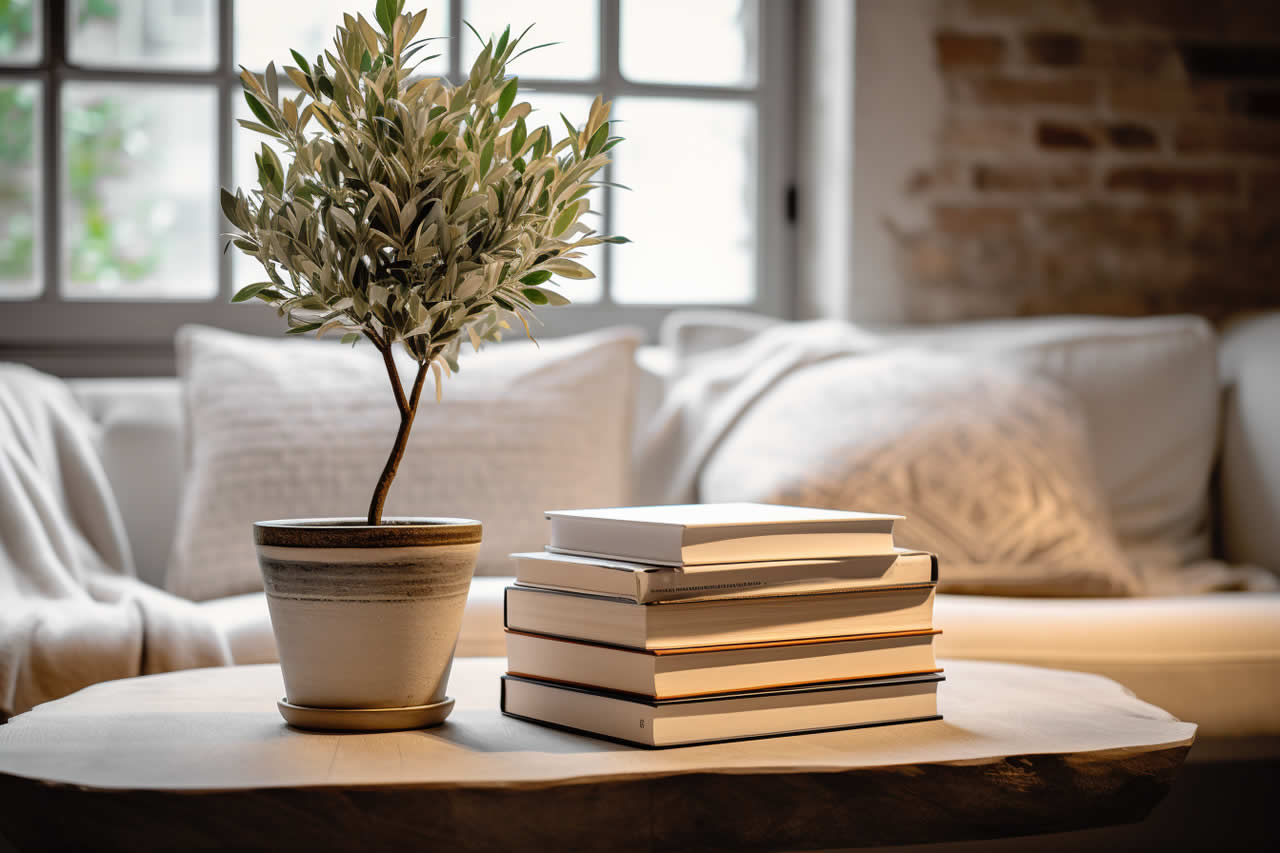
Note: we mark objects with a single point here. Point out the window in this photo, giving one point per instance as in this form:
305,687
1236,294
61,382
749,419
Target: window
118,130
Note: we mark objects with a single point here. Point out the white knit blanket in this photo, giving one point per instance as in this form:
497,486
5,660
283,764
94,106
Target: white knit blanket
72,611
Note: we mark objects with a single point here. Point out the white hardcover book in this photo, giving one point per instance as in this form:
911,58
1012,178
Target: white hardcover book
701,534
644,583
764,619
680,722
681,673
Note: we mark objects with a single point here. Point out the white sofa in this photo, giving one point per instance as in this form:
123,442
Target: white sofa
1213,658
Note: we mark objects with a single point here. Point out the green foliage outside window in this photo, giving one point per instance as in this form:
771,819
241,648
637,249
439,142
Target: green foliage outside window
93,150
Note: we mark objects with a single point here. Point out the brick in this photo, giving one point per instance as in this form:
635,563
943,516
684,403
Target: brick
1114,279
1019,92
1129,136
928,258
982,132
1255,103
1071,285
1057,11
1230,60
969,276
1054,49
1056,135
1030,178
1076,136
964,50
1142,56
997,8
1145,97
1196,16
1264,188
1161,180
1244,138
1242,19
1108,223
965,220
1218,229
945,176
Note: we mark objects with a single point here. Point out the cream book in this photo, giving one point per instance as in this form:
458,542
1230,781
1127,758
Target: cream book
733,716
699,671
701,534
644,583
685,624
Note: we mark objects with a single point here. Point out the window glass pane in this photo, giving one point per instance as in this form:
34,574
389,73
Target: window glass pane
139,191
20,27
575,24
19,181
692,210
267,31
714,42
547,107
144,33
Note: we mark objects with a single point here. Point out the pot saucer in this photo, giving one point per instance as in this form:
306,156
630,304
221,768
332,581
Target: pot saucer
365,719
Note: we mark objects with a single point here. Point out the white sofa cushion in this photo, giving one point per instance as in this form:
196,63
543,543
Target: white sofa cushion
285,428
1211,659
990,464
141,446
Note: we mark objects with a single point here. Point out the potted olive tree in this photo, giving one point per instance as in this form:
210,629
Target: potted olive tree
417,215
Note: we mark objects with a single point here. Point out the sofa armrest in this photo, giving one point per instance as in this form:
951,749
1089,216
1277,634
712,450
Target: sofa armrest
1250,473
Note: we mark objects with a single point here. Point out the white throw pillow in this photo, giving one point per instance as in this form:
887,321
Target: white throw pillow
1149,391
1148,388
281,428
989,463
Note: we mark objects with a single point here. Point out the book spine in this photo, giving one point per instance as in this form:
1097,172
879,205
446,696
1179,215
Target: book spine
654,587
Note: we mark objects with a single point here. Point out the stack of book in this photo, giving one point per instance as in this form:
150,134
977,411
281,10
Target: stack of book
673,625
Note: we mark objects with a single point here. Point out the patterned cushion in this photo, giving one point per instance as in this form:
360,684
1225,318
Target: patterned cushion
990,464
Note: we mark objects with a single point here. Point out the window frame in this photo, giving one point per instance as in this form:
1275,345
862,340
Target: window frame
134,337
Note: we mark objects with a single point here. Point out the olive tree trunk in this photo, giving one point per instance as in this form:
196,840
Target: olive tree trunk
408,407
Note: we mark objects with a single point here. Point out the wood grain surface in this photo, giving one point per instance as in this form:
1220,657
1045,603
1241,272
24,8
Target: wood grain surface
200,759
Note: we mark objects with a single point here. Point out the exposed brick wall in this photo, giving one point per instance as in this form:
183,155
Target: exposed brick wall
1100,156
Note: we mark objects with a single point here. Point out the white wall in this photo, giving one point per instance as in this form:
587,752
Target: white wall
897,107
870,106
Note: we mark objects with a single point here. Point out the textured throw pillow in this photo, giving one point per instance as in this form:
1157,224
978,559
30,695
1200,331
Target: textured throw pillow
990,464
281,428
1148,389
1149,392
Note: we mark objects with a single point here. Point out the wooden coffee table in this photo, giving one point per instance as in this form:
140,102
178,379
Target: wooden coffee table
202,759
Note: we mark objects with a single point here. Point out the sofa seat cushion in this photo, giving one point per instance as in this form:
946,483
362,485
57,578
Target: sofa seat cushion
246,624
1210,659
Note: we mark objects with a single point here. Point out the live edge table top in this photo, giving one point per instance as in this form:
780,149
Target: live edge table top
201,758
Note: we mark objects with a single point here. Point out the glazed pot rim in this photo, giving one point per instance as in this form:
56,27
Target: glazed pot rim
394,532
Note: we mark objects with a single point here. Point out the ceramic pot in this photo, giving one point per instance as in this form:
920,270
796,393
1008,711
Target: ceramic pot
366,617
